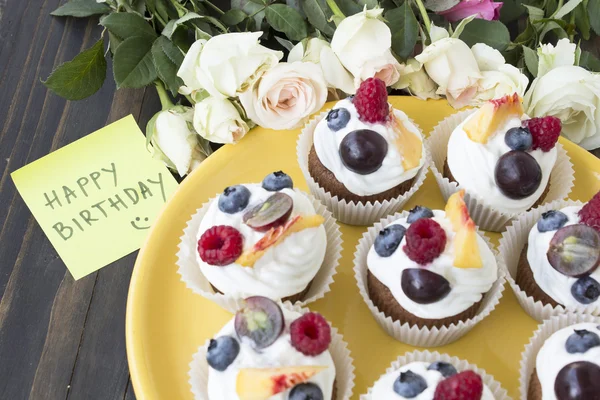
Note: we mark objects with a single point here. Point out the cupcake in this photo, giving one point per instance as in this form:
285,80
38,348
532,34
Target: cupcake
363,152
263,239
270,352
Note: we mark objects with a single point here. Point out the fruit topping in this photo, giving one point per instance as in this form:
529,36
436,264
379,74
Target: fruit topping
273,212
466,247
518,175
586,290
409,145
581,341
310,334
220,245
466,385
261,320
444,368
423,286
590,213
552,220
417,213
362,151
545,132
579,380
575,250
389,239
306,391
370,101
491,116
234,199
337,119
518,138
425,241
274,236
222,351
262,383
409,384
277,180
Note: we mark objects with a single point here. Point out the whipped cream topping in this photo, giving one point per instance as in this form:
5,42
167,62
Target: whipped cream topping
473,164
390,174
553,357
222,385
468,284
384,387
552,282
285,269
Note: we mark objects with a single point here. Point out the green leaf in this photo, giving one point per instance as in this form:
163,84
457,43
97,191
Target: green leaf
405,30
251,9
126,25
163,8
167,60
233,17
198,21
531,60
535,14
461,26
567,8
285,43
81,8
369,3
440,5
113,42
138,6
285,19
511,11
80,77
582,21
318,14
492,33
594,14
349,7
133,65
557,25
589,61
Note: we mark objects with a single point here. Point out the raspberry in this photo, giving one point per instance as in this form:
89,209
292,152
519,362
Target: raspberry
545,132
371,101
464,386
220,245
425,241
310,334
590,213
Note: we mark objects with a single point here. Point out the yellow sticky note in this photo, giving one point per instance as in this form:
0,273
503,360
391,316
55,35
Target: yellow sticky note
97,197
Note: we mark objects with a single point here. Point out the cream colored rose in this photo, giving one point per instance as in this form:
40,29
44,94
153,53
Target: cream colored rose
218,120
226,65
286,95
414,79
362,42
552,57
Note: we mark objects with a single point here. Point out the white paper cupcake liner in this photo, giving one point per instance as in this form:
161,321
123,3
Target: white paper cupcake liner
192,276
511,245
412,334
561,180
460,365
344,368
350,212
544,331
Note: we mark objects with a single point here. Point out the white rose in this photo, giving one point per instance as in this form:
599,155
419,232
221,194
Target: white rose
498,78
173,142
286,95
552,57
414,79
226,65
216,119
319,51
363,43
451,64
571,94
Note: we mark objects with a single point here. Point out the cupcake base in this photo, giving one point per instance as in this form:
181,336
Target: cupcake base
327,180
527,283
535,387
292,299
384,300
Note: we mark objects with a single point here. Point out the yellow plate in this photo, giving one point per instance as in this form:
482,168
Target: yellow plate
166,322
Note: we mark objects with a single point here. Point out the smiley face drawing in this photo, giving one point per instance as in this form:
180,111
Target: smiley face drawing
138,219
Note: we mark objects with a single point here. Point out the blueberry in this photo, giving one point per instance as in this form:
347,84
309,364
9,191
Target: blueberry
276,181
586,290
409,384
234,199
338,119
518,139
306,391
221,352
446,369
389,239
551,221
581,341
419,212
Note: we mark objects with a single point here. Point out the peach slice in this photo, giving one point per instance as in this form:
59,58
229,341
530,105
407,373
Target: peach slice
262,383
466,248
409,145
492,115
274,236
